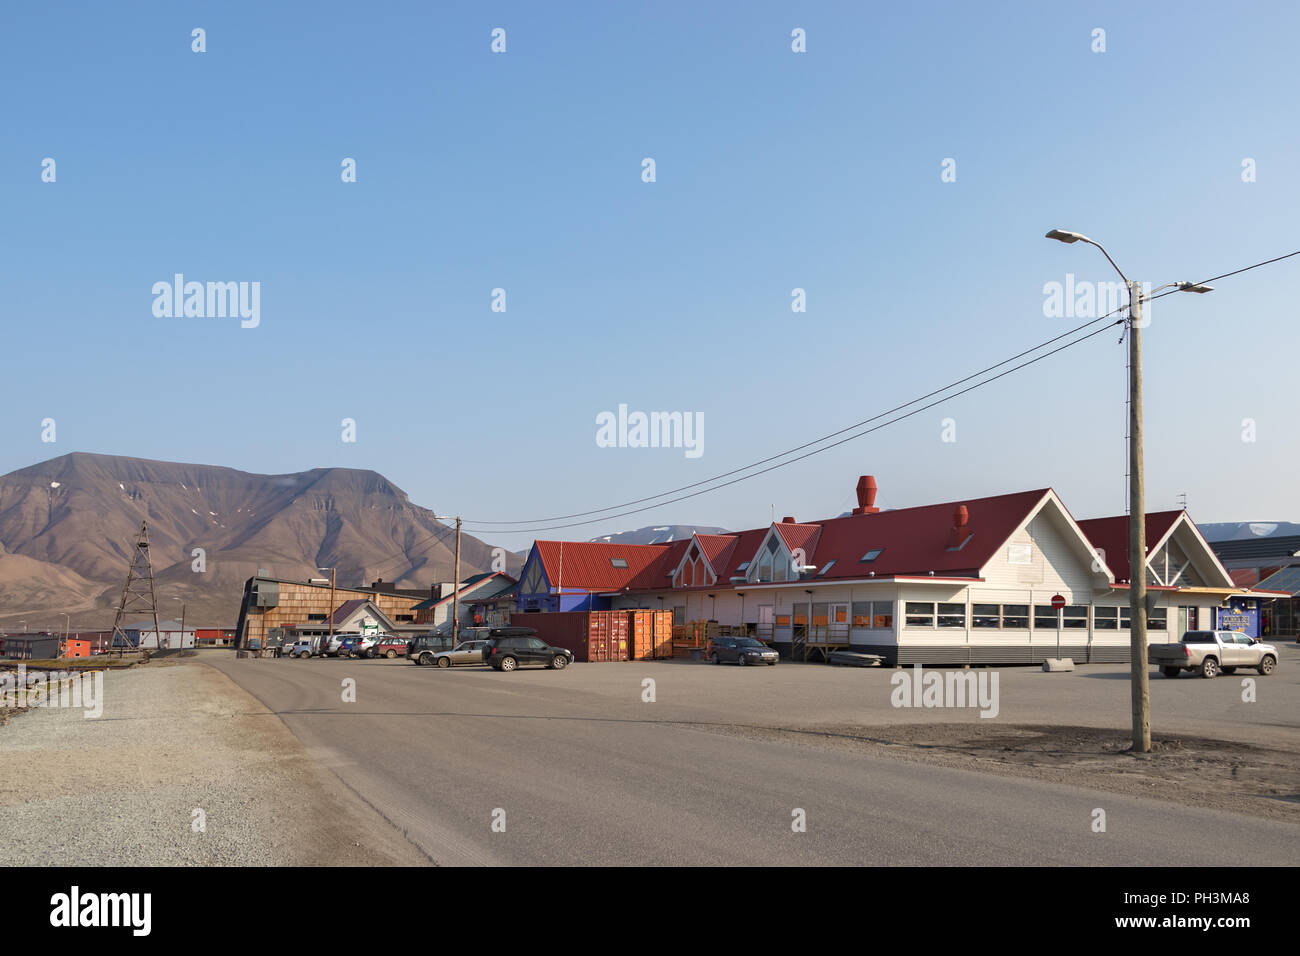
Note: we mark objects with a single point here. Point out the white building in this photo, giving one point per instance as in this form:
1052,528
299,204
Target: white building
961,582
169,635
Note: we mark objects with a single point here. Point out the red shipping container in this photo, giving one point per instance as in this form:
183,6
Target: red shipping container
591,635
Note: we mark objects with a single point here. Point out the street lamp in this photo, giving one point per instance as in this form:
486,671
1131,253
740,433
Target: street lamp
1137,533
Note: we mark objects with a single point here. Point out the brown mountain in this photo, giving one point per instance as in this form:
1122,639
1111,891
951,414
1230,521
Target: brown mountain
67,528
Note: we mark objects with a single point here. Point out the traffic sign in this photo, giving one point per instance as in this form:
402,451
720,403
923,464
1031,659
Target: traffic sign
1058,602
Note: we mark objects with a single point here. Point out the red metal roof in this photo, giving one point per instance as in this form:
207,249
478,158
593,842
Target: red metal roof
799,536
916,540
588,564
1110,535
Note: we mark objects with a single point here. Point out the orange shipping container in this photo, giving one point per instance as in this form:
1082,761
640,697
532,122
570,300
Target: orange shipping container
650,634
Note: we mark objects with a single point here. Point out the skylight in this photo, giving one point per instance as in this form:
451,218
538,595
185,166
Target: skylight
829,564
872,554
743,565
618,562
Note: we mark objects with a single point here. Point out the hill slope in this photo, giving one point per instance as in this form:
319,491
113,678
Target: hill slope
67,526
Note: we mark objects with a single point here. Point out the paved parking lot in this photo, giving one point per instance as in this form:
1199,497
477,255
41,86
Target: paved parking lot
591,772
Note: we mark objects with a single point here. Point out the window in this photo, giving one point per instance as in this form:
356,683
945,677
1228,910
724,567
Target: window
1020,554
919,614
952,615
862,614
618,562
1157,619
986,615
819,615
1075,616
1015,616
871,555
1045,617
883,616
744,565
783,620
1105,618
405,618
829,564
315,617
679,614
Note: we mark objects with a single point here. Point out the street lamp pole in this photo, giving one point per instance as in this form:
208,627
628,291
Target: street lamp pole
1137,531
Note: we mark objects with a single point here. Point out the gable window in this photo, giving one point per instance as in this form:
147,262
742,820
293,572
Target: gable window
871,555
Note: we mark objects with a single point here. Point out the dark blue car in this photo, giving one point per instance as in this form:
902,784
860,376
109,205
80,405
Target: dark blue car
349,647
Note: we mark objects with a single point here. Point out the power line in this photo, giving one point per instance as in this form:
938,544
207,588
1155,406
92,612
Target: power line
809,444
818,451
816,441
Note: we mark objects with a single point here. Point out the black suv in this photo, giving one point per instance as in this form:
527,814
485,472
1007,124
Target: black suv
511,647
422,648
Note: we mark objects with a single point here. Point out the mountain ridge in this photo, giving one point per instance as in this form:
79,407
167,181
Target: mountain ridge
76,517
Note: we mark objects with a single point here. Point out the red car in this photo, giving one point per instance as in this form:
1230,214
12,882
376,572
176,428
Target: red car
389,647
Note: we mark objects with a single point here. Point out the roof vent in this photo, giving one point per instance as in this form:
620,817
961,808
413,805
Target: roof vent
866,496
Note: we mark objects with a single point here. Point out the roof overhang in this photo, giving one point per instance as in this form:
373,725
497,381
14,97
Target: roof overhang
883,579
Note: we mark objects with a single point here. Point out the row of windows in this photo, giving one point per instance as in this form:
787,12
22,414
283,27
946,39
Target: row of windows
1017,616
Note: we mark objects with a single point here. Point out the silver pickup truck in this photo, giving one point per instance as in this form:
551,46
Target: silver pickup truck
1212,653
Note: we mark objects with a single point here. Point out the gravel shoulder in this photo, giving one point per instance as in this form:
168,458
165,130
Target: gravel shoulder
1195,771
122,789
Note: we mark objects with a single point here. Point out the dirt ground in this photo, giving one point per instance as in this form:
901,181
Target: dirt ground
1196,771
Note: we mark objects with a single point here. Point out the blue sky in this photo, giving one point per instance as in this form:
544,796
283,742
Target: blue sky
775,170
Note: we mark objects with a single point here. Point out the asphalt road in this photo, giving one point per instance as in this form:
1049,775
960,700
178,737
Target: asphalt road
583,771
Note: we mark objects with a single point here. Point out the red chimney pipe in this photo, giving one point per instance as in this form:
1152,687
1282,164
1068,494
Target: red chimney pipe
788,519
959,533
866,496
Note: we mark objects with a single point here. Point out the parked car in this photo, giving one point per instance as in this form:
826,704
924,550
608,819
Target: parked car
366,644
1212,653
350,646
390,646
298,649
742,650
331,643
422,649
512,647
466,652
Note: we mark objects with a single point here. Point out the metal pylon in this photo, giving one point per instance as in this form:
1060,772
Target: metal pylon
138,595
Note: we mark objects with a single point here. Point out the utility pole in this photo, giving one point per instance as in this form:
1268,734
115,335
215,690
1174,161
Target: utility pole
329,620
1139,674
1137,537
455,591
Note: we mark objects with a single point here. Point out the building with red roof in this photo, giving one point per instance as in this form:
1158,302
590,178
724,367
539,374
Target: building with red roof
967,581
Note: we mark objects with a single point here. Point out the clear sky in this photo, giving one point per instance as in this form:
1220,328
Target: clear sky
775,170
